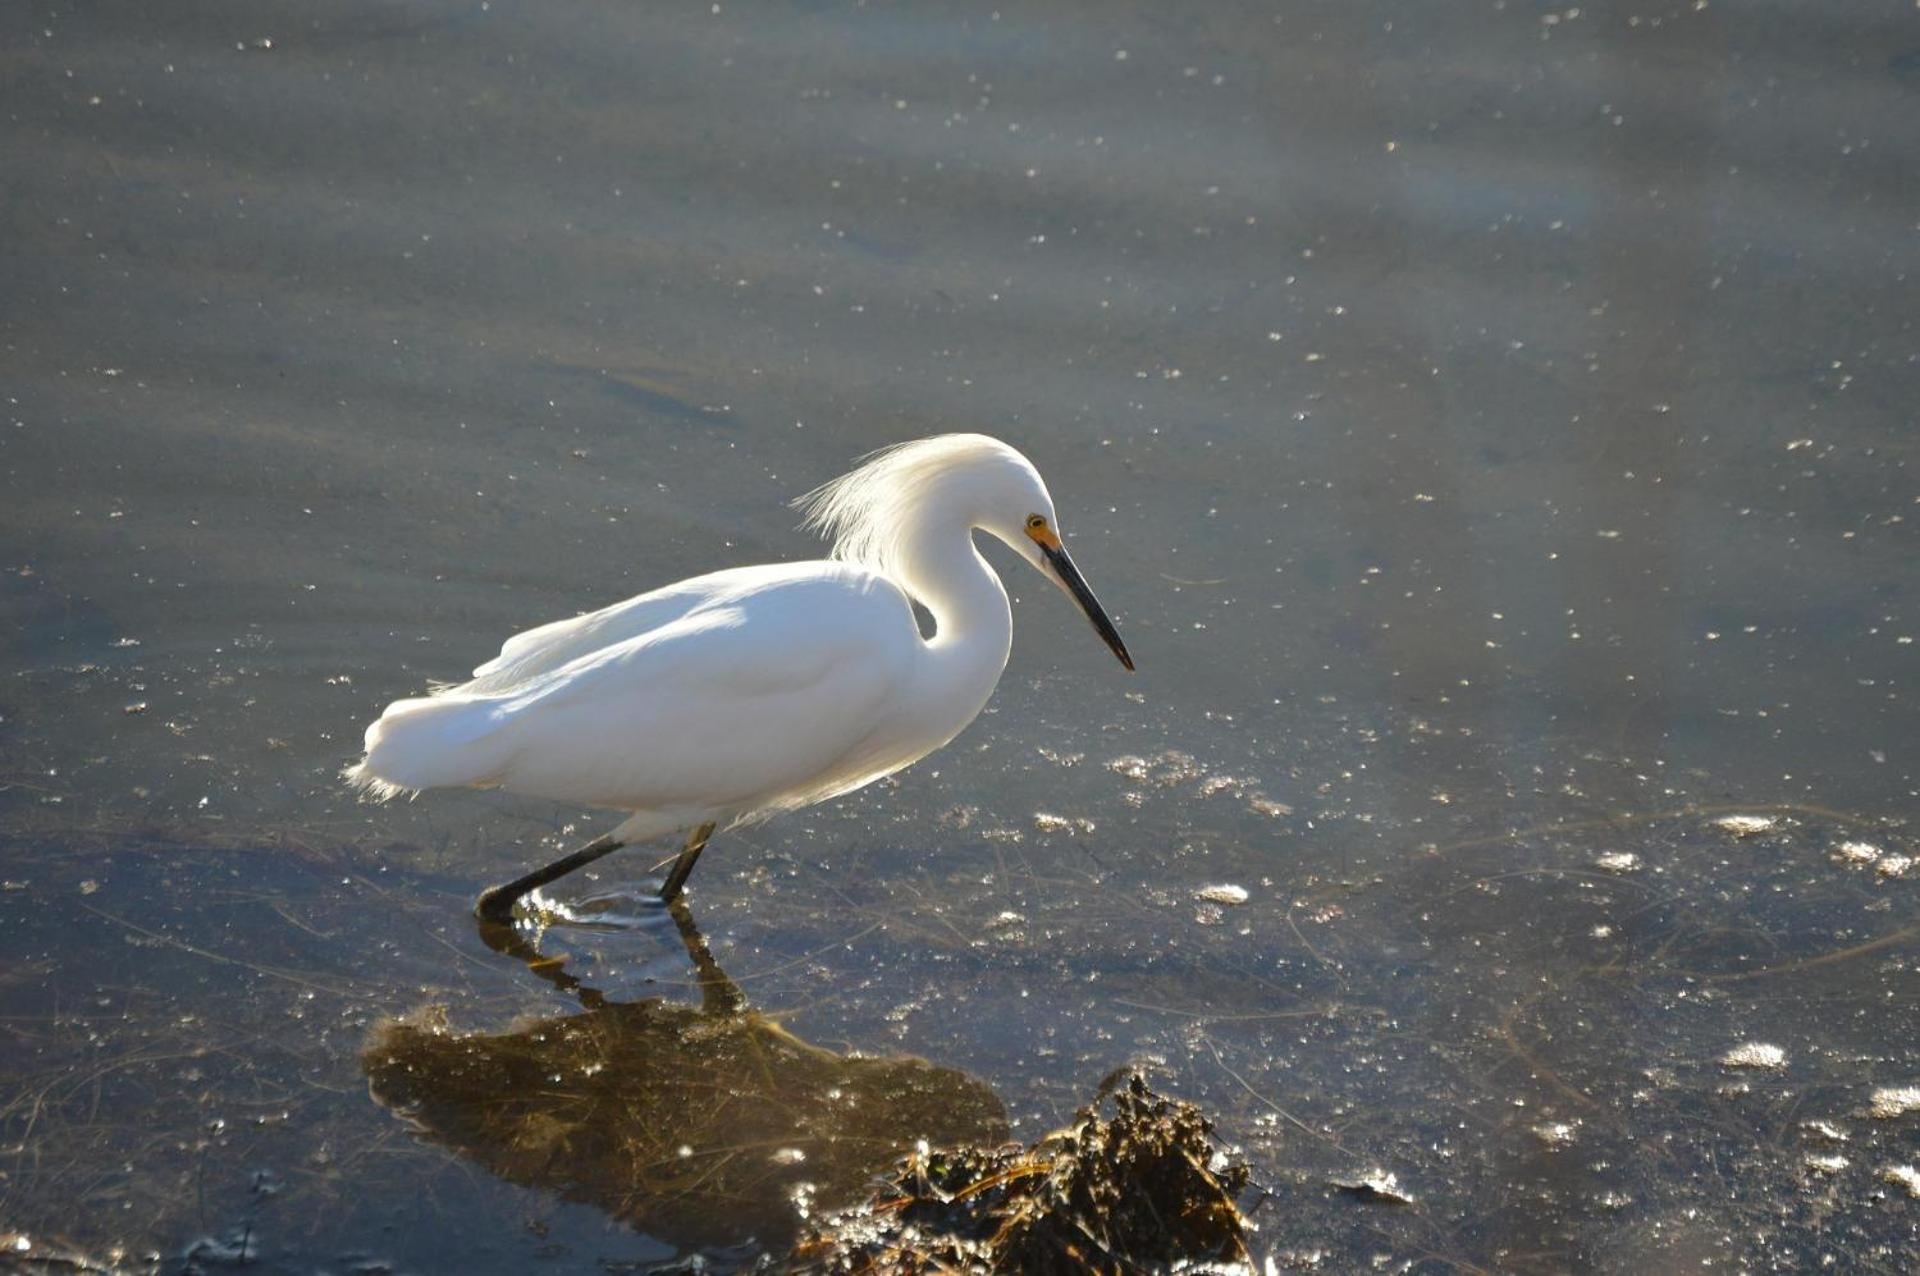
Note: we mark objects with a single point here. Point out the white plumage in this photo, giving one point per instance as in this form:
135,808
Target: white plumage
727,697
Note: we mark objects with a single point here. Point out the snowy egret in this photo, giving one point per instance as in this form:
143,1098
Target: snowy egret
727,698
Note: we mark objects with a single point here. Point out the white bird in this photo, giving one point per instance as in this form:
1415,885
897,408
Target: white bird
726,698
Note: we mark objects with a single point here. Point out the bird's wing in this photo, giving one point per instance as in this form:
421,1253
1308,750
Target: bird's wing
770,695
526,656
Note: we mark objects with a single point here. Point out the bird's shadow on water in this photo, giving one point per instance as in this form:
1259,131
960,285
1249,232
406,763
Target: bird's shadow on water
709,1127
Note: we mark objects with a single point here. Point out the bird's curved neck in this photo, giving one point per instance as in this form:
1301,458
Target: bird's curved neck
973,623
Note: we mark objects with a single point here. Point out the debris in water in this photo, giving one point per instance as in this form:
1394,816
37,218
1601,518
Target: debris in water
1754,1054
1894,1101
1825,1131
1618,862
1856,853
1163,771
1902,1176
1376,1185
1173,769
1555,1134
1145,1189
1224,893
1045,823
1826,1162
1746,825
1893,866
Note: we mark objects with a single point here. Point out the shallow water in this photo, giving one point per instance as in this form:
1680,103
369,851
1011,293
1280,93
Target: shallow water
1491,427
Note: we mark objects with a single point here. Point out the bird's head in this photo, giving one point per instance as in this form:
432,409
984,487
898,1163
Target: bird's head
1013,505
1035,536
970,479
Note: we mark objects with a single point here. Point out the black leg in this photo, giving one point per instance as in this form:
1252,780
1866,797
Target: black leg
683,867
496,903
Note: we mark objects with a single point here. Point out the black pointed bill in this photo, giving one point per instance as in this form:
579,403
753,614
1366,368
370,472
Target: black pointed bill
1076,585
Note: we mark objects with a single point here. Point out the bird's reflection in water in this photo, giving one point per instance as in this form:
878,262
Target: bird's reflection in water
703,1126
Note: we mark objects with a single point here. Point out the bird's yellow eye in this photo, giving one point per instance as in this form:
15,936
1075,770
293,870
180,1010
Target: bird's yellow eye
1040,533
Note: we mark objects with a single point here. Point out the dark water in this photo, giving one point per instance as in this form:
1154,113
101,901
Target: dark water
1491,424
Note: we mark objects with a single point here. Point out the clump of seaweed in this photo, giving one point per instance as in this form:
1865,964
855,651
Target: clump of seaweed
1145,1189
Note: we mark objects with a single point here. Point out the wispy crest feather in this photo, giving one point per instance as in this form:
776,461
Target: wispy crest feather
867,513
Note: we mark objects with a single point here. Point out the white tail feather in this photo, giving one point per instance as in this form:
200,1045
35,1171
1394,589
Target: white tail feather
442,741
